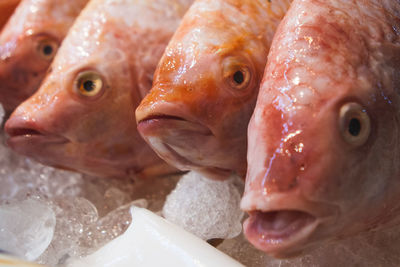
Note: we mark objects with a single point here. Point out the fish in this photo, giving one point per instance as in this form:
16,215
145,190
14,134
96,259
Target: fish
29,42
82,117
205,87
324,137
7,8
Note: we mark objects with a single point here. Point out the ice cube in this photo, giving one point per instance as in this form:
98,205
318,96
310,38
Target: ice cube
204,207
74,216
26,228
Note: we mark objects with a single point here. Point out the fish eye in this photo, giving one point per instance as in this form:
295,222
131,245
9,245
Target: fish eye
237,75
47,48
89,84
355,124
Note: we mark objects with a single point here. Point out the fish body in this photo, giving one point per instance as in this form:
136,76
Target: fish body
82,117
29,42
324,137
7,8
205,87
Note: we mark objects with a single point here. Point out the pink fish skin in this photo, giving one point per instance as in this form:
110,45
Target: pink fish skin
29,42
324,137
82,117
7,8
206,84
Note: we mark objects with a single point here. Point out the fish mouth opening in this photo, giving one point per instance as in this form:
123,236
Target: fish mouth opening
160,117
22,135
164,124
279,232
16,132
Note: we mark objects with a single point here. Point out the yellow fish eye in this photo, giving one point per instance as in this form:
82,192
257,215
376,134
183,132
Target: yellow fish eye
89,84
355,124
47,48
236,74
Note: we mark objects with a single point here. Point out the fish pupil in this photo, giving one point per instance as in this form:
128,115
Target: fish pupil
238,77
88,85
354,127
47,50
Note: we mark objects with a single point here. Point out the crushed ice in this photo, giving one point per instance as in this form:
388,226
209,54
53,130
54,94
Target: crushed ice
206,208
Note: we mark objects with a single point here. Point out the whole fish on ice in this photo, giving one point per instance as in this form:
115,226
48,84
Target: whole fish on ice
28,44
205,87
7,8
324,138
82,117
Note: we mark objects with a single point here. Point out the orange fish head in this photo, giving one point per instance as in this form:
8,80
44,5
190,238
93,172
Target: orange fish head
24,61
195,116
82,117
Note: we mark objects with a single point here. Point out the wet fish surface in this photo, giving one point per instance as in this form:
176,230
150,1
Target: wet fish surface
196,115
324,138
82,117
28,44
7,8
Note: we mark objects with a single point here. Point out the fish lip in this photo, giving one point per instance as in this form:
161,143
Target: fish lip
279,243
151,125
159,118
21,132
293,240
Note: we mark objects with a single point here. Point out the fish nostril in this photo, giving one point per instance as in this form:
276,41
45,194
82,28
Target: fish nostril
13,132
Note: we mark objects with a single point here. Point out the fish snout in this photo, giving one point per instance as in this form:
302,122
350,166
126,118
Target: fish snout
27,136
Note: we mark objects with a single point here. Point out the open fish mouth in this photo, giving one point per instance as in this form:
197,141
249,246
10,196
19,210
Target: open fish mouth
279,232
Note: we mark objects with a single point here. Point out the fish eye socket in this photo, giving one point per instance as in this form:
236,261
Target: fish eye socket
238,78
236,74
47,48
89,84
355,124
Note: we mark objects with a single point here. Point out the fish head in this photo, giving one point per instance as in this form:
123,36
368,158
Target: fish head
24,60
196,114
81,118
28,44
323,139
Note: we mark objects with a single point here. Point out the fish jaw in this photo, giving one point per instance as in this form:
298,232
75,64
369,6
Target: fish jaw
169,133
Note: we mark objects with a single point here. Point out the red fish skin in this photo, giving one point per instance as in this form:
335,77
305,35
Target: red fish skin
303,174
7,8
193,117
22,62
121,43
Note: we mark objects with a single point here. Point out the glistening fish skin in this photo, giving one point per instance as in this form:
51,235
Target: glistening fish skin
324,138
29,42
205,87
7,8
82,117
